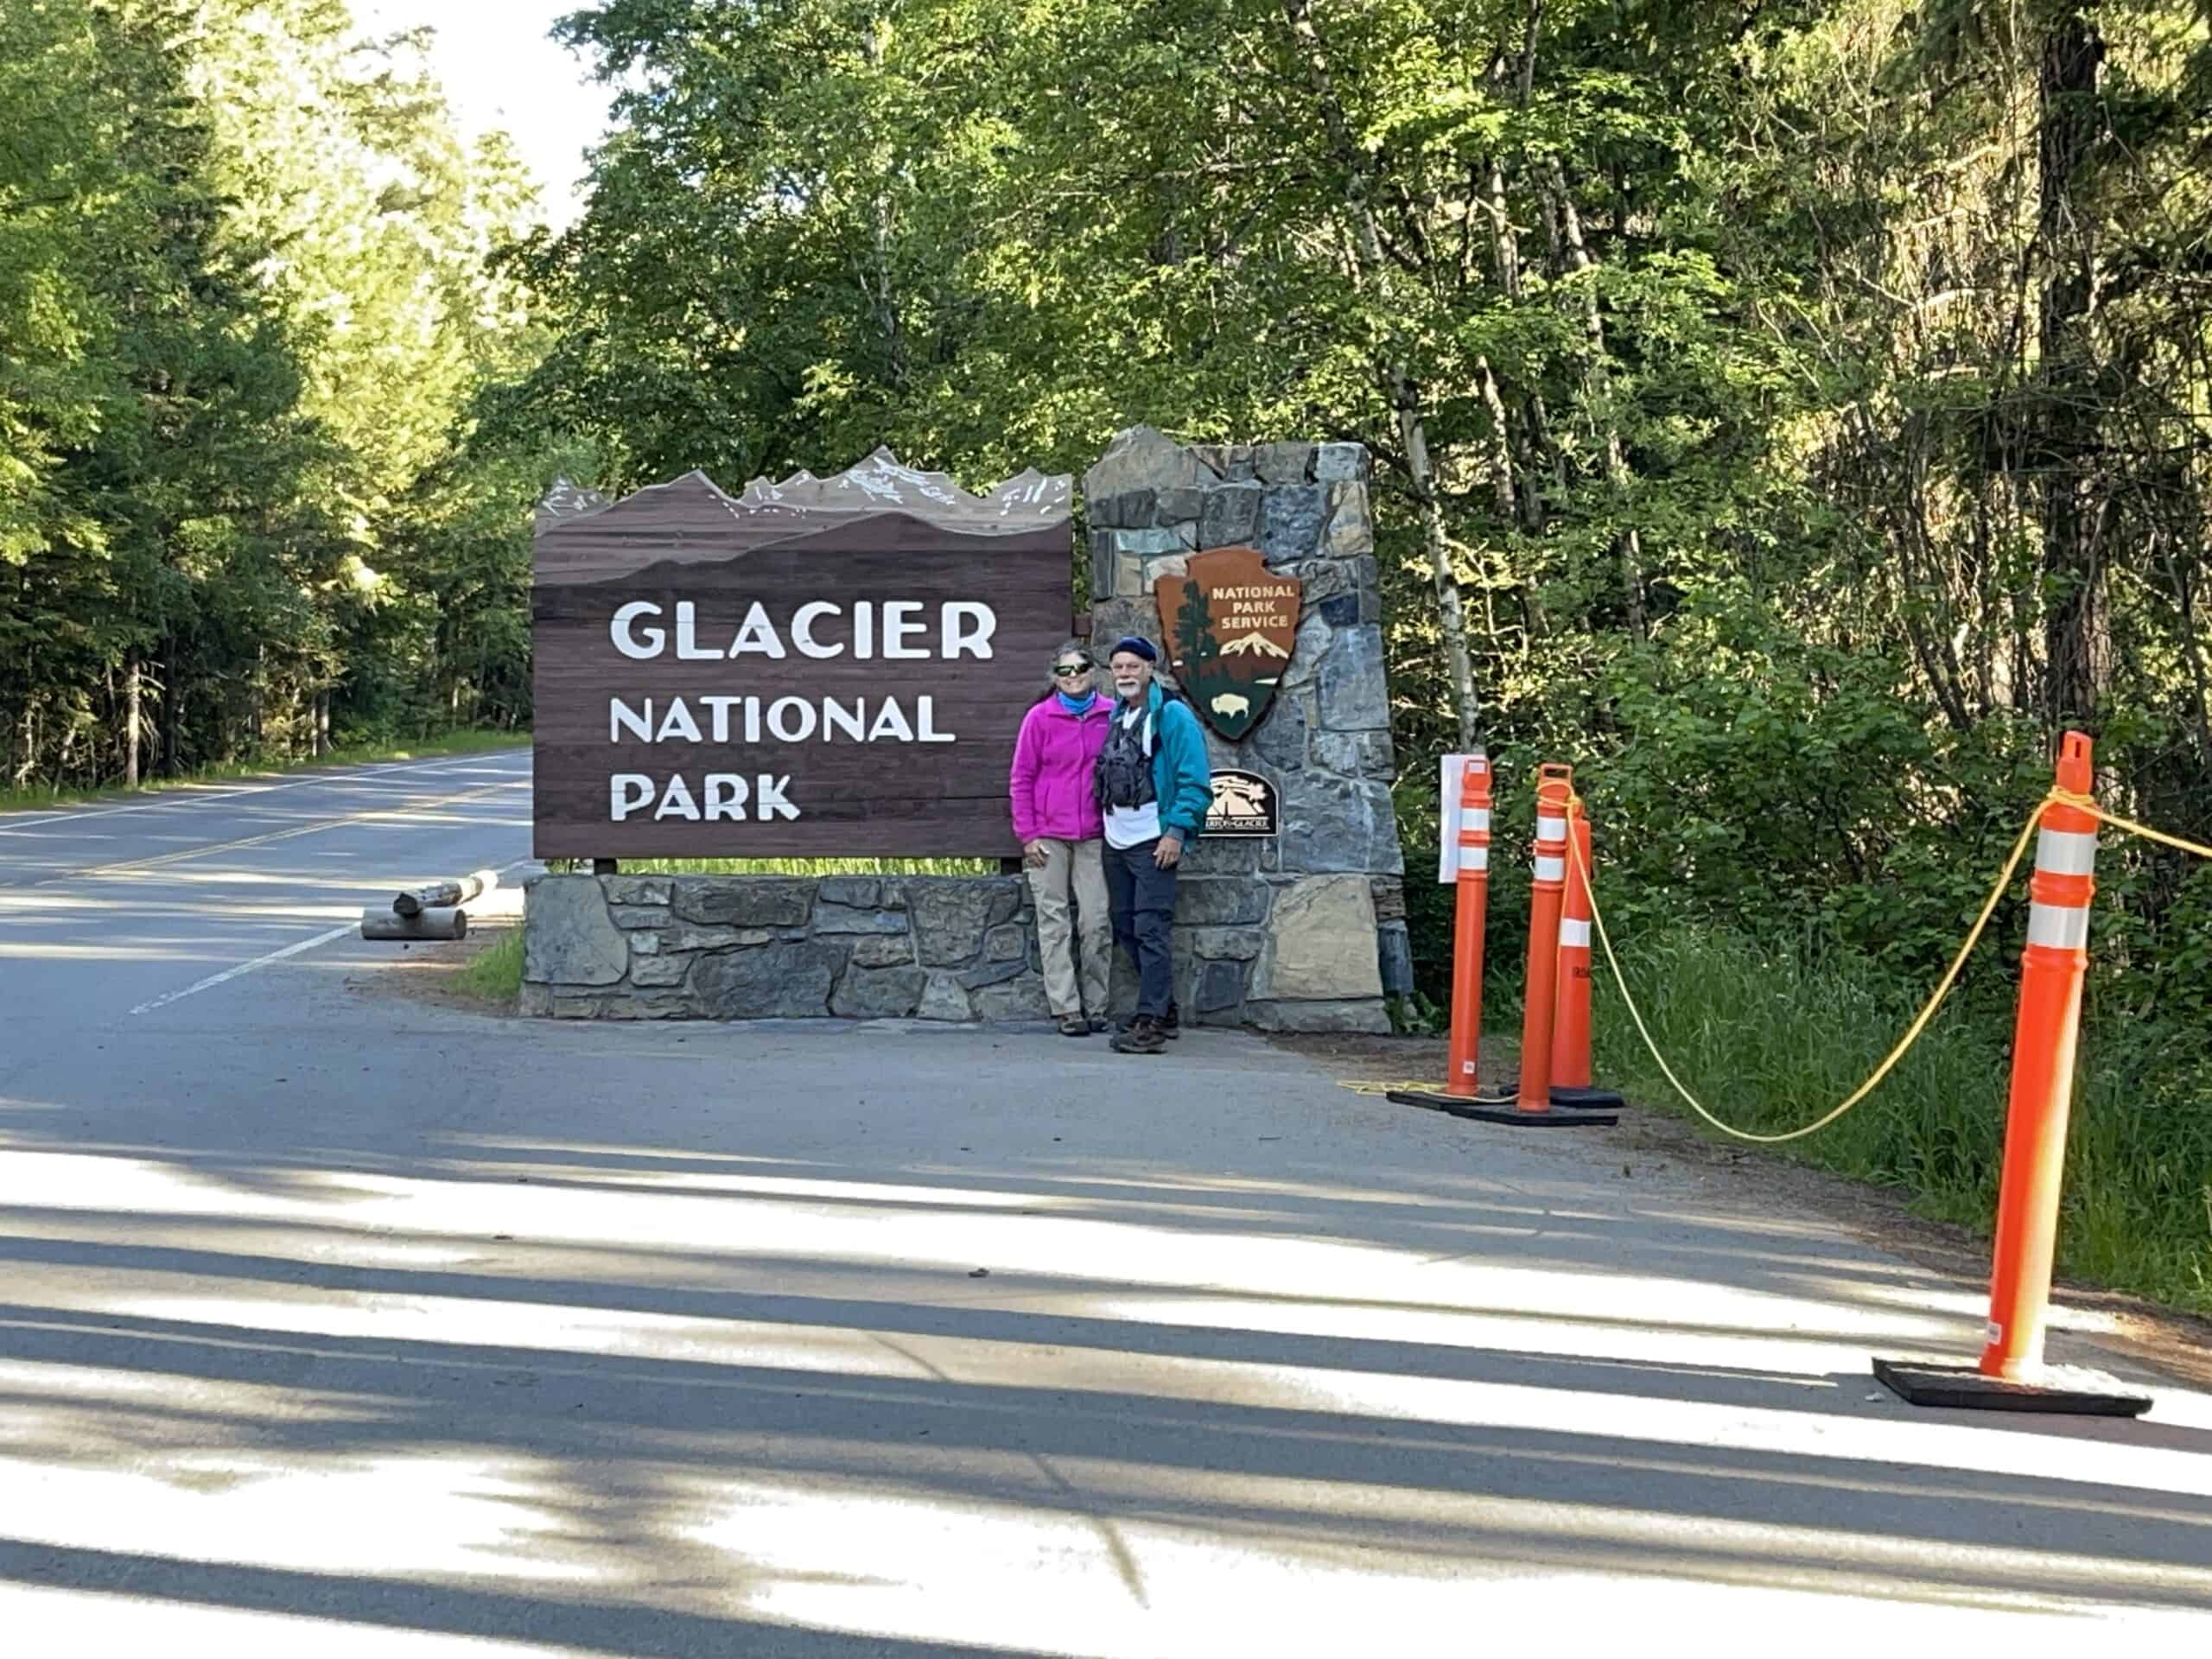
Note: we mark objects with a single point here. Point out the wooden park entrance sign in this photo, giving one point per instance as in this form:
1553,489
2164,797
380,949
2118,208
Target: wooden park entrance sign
818,667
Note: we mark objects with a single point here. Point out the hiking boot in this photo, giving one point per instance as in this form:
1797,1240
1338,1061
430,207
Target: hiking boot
1074,1024
1143,1036
1100,1022
1170,1027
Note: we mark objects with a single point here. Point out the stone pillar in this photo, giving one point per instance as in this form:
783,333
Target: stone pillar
1304,930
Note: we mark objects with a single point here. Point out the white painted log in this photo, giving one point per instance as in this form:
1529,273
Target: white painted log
441,895
441,922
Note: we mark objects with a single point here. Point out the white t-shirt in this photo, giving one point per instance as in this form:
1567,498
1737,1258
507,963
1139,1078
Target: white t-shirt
1132,826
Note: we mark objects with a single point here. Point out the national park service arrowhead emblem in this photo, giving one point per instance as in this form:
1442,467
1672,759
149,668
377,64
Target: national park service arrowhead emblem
1231,624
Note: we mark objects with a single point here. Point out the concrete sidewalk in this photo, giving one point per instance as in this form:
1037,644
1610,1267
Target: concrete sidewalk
354,1323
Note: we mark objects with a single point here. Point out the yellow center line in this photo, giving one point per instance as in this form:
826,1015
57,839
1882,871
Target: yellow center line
134,866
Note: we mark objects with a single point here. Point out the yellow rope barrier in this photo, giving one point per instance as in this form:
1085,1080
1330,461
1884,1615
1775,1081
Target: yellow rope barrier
1920,1023
2129,825
1889,1063
1936,1000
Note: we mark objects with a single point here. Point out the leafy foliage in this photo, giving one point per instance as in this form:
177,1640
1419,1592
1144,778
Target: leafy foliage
1794,417
246,299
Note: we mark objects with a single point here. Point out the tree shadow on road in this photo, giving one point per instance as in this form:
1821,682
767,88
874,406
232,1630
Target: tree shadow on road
648,1400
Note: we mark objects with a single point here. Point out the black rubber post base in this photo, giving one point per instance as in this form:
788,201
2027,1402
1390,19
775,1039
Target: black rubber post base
1963,1388
1586,1100
1503,1111
1582,1100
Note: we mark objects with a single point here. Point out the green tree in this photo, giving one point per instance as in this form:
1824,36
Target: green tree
247,300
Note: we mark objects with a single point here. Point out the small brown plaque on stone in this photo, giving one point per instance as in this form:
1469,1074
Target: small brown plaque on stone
1231,624
1244,804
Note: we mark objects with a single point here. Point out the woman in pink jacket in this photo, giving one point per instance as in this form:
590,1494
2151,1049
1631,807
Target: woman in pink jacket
1055,815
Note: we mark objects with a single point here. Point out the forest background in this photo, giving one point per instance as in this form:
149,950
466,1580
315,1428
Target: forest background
1794,415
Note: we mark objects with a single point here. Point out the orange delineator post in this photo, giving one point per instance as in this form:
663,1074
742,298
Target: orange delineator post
1554,789
2044,1037
2009,1376
1571,1012
1471,913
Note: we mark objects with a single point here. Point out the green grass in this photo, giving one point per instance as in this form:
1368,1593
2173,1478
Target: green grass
794,865
1769,1041
495,974
37,797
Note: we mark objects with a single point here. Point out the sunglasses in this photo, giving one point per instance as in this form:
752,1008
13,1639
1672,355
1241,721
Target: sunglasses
1071,668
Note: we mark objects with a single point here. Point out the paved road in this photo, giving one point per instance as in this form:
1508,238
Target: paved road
334,1323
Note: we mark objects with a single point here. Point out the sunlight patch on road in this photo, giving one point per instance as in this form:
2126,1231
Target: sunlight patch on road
484,1331
151,950
297,1509
1145,1276
851,1222
1100,1566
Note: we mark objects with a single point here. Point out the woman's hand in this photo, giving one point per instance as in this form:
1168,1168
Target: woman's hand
1033,853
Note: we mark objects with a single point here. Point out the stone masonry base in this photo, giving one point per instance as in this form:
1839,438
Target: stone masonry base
1282,953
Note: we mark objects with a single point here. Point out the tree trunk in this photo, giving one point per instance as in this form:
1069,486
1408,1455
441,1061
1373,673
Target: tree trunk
441,924
130,723
1532,439
1598,383
1501,451
2192,654
444,895
1504,245
2064,450
1396,376
883,295
1414,435
172,718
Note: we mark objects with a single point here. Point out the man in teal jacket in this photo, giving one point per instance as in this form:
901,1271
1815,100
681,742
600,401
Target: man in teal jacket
1154,786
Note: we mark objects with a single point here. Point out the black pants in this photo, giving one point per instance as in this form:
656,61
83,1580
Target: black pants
1142,898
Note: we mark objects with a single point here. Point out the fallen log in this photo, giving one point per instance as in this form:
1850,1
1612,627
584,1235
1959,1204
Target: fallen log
443,895
437,923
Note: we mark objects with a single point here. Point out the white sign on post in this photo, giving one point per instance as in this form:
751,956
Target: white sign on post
1452,783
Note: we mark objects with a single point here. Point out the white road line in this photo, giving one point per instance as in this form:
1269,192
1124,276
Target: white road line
243,967
229,974
194,796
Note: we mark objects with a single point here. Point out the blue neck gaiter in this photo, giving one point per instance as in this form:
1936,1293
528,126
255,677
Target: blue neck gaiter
1077,705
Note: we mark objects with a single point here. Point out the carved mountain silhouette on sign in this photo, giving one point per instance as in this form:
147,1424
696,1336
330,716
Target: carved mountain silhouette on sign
1247,644
692,520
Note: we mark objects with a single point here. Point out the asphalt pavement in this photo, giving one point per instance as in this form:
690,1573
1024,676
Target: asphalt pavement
336,1322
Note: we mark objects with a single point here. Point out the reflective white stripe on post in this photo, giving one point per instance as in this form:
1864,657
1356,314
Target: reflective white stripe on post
1474,858
1574,932
2066,852
2062,927
1551,869
1475,817
1551,828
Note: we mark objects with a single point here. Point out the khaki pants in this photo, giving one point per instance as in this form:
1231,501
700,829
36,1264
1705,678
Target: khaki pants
1075,867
